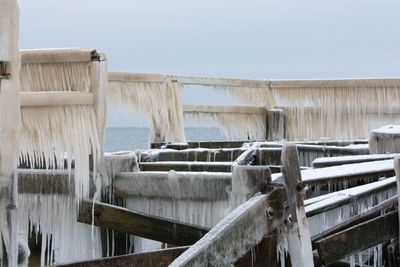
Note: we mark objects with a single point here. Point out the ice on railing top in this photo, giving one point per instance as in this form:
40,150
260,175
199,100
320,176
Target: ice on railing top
388,129
343,170
353,158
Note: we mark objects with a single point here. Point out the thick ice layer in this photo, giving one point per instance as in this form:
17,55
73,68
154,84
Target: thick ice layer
55,218
63,76
233,126
342,109
160,101
10,128
260,96
49,134
357,199
385,140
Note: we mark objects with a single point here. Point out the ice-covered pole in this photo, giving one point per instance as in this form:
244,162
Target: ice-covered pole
9,130
299,239
397,169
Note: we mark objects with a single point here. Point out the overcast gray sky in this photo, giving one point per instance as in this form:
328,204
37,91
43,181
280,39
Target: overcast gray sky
275,39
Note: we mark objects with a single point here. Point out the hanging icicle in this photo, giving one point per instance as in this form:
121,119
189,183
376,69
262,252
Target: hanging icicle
233,126
259,96
337,109
159,100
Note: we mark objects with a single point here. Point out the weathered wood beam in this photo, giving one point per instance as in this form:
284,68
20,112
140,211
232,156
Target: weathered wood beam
38,99
160,185
238,232
45,182
397,170
63,55
136,77
207,81
139,224
343,160
299,238
232,109
158,258
335,83
355,239
186,166
4,70
374,212
264,254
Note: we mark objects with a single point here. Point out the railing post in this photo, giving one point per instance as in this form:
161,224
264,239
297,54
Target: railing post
397,170
9,135
299,238
275,125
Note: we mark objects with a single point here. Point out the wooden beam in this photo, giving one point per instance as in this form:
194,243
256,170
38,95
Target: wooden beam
343,160
299,238
335,83
355,239
63,55
5,70
374,212
238,232
158,258
39,99
207,81
139,224
45,182
232,109
136,77
397,170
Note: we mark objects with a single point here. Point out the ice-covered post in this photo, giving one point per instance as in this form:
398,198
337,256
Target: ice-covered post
9,130
275,125
397,169
299,238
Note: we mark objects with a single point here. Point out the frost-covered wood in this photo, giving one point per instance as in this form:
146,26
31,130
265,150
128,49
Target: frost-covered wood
47,99
158,258
9,134
140,224
61,55
299,238
385,140
358,237
238,232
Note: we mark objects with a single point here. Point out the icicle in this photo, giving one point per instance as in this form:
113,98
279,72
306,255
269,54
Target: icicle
55,218
341,109
233,126
160,101
260,96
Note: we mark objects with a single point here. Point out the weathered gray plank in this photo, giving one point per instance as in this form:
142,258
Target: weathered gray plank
139,224
158,258
355,239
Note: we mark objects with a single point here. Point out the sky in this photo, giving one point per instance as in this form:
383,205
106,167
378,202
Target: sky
255,39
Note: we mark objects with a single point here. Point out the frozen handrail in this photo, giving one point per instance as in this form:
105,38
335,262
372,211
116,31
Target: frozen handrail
62,55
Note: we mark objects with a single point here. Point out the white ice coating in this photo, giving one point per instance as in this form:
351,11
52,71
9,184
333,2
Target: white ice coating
52,134
385,140
259,96
160,101
342,159
337,109
231,238
55,218
360,199
233,126
10,127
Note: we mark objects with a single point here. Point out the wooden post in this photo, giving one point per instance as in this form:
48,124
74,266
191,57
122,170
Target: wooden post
397,170
299,238
9,135
275,125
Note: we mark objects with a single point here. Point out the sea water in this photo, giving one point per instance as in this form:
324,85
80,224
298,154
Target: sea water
132,138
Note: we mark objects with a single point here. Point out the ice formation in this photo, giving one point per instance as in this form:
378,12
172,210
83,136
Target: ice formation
338,109
9,134
53,220
233,126
259,96
160,101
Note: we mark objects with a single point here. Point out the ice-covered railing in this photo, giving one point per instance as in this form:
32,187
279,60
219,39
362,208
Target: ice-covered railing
9,134
63,111
338,108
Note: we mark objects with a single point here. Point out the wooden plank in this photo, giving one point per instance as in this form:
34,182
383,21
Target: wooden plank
208,81
374,212
139,224
299,238
45,182
62,55
264,254
186,166
355,239
158,258
39,99
238,232
136,77
230,109
343,160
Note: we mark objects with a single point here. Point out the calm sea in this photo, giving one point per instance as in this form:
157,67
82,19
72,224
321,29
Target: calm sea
118,139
